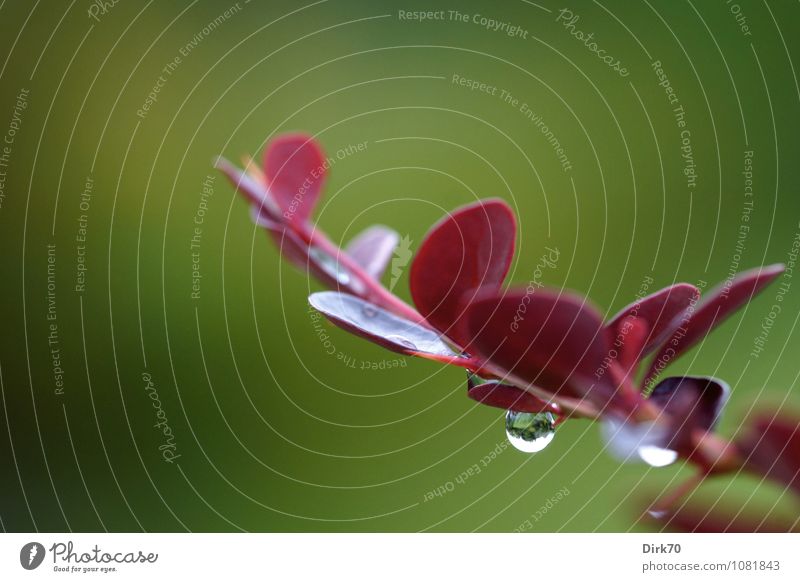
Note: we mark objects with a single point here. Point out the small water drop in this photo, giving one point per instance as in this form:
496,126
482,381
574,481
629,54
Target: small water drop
405,342
657,456
529,432
369,311
331,266
657,513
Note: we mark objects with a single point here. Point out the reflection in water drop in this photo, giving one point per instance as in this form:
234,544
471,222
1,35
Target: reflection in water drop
656,456
528,432
330,265
405,342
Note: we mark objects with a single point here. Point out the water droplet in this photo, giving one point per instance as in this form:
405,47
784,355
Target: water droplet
528,432
369,311
331,266
405,342
657,456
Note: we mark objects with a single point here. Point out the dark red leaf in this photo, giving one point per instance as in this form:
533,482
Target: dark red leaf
469,249
295,167
373,248
658,310
693,403
499,395
378,325
718,305
629,341
555,342
771,447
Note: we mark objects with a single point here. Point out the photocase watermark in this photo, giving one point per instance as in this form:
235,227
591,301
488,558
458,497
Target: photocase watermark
507,98
568,20
679,114
740,18
784,286
198,221
53,341
10,137
744,223
546,507
99,8
169,69
485,22
467,474
400,260
317,173
84,203
71,560
490,24
619,339
677,336
474,85
31,555
168,448
68,559
538,121
548,260
346,359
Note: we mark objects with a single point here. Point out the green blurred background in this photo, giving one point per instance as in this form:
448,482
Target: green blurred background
273,433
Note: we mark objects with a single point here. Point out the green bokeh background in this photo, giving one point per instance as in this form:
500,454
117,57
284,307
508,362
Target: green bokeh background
273,433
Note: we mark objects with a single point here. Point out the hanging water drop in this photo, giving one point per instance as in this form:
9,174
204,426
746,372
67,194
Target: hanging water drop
529,432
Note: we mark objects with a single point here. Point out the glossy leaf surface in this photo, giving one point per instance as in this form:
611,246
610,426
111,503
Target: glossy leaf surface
378,325
373,248
658,311
556,341
717,306
295,169
692,403
468,250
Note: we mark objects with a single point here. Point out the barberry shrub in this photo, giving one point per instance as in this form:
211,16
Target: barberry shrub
545,356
